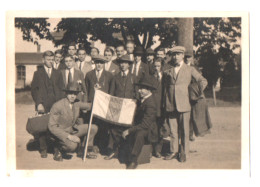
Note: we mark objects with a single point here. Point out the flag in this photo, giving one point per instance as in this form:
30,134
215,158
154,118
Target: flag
113,109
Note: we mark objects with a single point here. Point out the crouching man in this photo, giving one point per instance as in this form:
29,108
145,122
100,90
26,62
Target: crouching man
145,128
64,124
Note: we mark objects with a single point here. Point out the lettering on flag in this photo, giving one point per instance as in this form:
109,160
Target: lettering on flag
113,109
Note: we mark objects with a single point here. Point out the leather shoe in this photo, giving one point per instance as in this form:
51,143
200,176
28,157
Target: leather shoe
171,156
132,165
111,156
158,155
91,156
192,138
44,153
182,157
57,156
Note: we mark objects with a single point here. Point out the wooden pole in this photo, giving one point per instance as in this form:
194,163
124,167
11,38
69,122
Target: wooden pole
214,95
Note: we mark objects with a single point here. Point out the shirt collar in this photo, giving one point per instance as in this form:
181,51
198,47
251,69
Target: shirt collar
126,72
46,68
99,71
144,98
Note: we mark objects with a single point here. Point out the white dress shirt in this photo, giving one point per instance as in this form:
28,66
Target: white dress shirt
126,73
136,66
144,98
107,65
48,71
177,68
67,74
99,73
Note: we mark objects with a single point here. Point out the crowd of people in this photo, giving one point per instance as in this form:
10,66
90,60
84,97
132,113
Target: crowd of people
167,86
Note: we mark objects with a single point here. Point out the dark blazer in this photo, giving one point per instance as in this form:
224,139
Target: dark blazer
104,82
176,92
77,77
123,88
45,90
158,93
145,119
61,66
114,68
143,71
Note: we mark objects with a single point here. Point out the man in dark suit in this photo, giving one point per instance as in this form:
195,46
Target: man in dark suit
144,128
99,79
139,69
122,86
46,89
177,104
64,123
83,65
58,64
70,74
110,65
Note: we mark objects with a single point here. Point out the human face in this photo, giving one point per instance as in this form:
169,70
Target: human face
82,55
157,66
150,58
71,96
108,55
178,57
99,66
130,48
120,51
189,60
58,58
138,58
143,92
93,52
124,66
69,62
72,50
48,61
160,54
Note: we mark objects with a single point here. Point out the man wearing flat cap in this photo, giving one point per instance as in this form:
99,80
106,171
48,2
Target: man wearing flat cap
64,125
144,128
177,104
122,86
98,79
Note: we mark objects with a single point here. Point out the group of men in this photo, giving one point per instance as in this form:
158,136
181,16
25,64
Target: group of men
159,81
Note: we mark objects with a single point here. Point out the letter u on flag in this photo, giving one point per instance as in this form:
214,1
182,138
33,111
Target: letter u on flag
113,109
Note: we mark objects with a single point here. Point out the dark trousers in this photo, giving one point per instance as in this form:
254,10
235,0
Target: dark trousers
136,143
159,144
42,138
115,137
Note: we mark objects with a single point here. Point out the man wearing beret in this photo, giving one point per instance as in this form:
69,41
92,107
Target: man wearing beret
64,124
177,104
144,128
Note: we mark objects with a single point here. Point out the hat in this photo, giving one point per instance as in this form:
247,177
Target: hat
73,87
147,82
139,50
125,58
149,51
99,58
178,49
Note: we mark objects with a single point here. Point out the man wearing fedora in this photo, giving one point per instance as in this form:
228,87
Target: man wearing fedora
122,86
144,128
64,125
177,103
98,79
150,54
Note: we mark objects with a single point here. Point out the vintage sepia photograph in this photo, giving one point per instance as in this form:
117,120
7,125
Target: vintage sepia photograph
132,91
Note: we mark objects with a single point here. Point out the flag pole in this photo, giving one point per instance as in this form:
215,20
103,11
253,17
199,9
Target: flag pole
89,127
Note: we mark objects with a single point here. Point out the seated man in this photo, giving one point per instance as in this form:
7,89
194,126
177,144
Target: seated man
145,127
64,124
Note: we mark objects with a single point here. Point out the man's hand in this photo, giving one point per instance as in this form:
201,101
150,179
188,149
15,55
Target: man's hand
40,108
74,138
125,133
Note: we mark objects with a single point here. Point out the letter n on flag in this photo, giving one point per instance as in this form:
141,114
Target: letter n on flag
113,109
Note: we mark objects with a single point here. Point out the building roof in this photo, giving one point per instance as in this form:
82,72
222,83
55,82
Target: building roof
28,58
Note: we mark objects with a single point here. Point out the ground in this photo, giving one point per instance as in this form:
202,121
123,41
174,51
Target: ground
219,150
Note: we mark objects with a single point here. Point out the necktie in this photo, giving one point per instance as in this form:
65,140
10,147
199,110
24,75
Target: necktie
70,77
49,73
98,75
79,65
158,76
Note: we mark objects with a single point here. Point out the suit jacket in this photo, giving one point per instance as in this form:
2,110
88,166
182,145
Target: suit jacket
143,71
114,68
45,90
104,82
77,77
176,92
62,117
145,119
123,88
87,67
158,93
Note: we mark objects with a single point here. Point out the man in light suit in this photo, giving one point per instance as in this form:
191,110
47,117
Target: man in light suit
110,65
83,65
64,124
177,104
71,74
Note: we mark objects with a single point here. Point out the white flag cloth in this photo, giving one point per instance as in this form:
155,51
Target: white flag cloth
113,109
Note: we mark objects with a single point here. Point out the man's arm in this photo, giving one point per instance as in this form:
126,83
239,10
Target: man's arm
36,92
199,78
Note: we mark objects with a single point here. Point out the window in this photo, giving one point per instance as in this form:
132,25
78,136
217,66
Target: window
20,72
